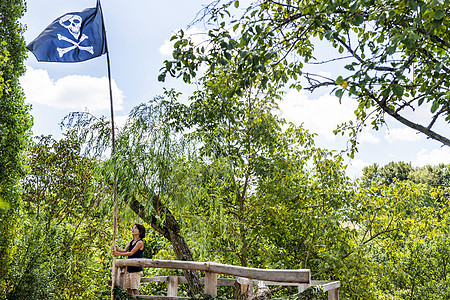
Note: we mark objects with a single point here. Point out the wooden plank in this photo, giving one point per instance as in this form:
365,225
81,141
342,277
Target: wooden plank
120,276
161,297
211,283
165,264
182,280
303,286
327,285
332,285
298,276
333,294
295,276
172,286
154,279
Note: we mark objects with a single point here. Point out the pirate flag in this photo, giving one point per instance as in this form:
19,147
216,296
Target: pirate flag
73,37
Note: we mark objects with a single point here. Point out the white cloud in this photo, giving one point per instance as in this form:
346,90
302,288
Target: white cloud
355,167
433,157
358,163
368,138
325,74
120,121
321,115
197,36
76,92
402,134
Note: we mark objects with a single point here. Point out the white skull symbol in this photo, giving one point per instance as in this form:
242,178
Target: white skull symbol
72,23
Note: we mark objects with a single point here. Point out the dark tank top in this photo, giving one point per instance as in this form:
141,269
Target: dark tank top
137,254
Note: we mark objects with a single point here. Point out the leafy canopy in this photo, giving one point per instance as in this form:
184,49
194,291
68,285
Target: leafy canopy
395,54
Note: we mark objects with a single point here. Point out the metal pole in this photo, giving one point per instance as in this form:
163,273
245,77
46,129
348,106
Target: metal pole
113,150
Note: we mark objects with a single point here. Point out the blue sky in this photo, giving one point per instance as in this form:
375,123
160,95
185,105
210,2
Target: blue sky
138,34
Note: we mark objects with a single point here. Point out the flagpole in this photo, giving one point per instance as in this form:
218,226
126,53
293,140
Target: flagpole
113,150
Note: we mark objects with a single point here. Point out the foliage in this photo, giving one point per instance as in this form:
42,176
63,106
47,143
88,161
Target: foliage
432,175
60,249
121,294
311,293
15,124
395,225
147,151
395,54
290,205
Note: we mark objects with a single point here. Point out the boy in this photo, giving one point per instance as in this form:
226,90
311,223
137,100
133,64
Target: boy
135,249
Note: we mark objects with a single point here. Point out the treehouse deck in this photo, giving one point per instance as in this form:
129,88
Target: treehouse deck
246,278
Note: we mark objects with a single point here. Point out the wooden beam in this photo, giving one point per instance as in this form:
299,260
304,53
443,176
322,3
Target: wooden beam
333,294
156,279
211,283
295,276
120,276
331,285
327,285
172,286
303,286
161,297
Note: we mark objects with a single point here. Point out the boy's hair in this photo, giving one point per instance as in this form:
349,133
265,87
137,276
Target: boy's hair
141,229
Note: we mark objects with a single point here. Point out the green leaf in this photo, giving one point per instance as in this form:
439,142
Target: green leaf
350,67
223,61
339,93
410,44
339,80
236,4
412,4
358,20
435,106
398,90
439,14
329,34
161,77
3,205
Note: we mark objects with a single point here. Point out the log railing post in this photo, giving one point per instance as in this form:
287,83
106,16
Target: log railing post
172,286
243,289
302,287
120,276
211,283
333,294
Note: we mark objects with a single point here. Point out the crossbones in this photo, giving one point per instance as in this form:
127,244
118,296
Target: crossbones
63,51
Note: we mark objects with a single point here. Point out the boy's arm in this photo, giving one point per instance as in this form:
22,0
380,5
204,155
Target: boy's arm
139,245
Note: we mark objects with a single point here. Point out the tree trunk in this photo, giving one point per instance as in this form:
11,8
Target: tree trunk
170,229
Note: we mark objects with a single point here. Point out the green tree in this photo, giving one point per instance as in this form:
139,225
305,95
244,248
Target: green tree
386,174
61,244
147,155
431,175
15,124
401,237
395,53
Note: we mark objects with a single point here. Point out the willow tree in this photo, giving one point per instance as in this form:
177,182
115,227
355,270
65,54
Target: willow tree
15,123
393,54
147,154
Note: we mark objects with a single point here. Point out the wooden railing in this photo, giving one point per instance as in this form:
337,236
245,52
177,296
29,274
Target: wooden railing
246,277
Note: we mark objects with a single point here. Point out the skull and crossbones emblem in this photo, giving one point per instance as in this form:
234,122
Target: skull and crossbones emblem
73,24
